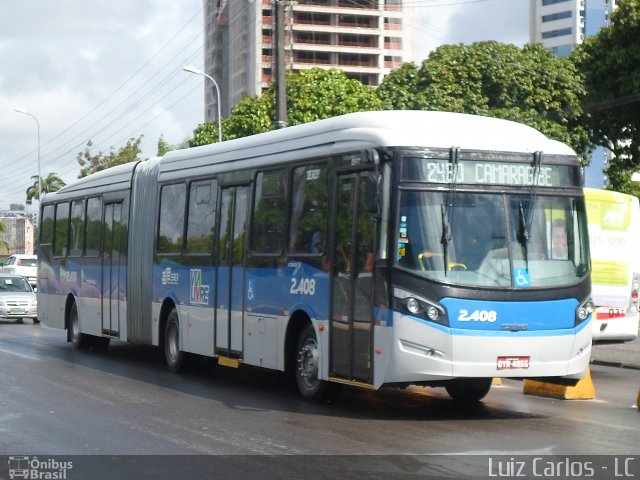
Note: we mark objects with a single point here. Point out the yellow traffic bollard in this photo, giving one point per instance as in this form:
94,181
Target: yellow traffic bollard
583,390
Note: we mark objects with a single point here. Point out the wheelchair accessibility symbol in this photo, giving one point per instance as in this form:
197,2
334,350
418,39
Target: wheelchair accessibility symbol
521,277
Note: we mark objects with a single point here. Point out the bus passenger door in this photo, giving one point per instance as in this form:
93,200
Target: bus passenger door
352,281
111,246
230,284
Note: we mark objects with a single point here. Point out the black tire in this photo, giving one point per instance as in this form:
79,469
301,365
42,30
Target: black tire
35,321
80,341
175,358
468,390
306,370
19,321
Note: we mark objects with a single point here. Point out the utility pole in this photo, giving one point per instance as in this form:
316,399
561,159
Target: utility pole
281,87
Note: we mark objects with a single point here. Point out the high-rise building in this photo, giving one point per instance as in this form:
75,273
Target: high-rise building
364,38
560,25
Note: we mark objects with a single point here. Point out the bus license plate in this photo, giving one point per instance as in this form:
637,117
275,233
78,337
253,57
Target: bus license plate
606,313
512,363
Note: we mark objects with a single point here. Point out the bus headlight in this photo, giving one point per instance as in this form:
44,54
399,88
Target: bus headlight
413,305
433,313
584,311
406,302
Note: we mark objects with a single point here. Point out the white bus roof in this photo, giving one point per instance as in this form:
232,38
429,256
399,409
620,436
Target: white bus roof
351,132
111,179
406,128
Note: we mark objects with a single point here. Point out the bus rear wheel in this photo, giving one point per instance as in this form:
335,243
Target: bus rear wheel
79,340
306,370
175,358
468,389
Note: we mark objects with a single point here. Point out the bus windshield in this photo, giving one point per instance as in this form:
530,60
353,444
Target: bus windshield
493,239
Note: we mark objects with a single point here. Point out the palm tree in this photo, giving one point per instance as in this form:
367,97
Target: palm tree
52,183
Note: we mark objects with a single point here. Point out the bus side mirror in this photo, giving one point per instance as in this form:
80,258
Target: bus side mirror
371,193
371,156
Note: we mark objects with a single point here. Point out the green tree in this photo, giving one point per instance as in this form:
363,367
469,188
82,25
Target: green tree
610,63
51,183
320,93
528,85
205,134
250,116
163,147
400,89
94,163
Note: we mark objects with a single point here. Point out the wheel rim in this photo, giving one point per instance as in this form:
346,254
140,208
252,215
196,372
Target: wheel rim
172,343
308,363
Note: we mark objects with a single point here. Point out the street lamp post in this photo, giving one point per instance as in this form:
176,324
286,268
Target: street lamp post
22,110
191,69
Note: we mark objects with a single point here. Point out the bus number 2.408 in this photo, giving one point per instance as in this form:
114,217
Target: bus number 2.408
304,286
478,316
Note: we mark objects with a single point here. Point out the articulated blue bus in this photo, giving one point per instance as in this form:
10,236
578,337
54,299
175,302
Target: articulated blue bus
375,249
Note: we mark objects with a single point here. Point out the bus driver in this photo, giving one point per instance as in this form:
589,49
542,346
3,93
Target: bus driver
559,250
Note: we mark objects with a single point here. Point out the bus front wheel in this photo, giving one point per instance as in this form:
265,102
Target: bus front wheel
174,357
468,389
306,370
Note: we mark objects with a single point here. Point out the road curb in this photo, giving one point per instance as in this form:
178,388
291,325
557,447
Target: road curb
583,390
606,363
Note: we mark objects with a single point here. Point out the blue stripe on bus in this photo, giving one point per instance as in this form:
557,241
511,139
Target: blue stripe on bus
483,315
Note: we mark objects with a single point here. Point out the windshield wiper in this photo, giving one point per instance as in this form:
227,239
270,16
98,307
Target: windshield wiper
523,234
446,236
527,220
447,213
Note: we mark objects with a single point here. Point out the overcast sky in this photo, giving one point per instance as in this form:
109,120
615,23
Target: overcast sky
109,70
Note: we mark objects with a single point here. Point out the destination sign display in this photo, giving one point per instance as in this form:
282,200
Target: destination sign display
489,173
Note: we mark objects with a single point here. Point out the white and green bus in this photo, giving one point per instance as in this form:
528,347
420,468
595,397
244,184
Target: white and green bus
614,230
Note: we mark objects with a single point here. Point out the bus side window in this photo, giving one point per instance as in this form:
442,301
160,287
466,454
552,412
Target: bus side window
61,233
46,232
201,216
77,229
93,227
308,229
171,229
269,213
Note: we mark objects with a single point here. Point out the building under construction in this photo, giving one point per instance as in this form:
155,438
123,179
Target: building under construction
364,38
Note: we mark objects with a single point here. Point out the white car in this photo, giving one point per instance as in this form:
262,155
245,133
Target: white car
25,265
17,298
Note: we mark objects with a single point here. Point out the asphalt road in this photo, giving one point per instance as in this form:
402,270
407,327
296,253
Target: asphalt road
618,354
121,414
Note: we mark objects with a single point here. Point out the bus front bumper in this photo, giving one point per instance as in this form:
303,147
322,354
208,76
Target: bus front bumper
425,352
